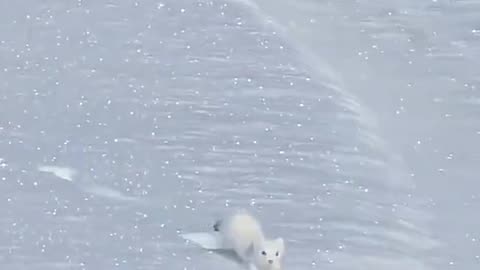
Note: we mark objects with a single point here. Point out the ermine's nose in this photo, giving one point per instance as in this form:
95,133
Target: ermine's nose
270,261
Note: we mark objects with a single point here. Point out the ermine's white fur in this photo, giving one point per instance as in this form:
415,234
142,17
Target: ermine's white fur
242,233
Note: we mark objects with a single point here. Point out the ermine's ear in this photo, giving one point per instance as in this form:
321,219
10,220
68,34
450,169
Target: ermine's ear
280,244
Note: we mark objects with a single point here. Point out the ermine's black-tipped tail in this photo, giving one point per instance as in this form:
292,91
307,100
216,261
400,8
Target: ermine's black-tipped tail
216,226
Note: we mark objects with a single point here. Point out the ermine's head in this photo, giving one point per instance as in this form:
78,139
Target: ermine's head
269,254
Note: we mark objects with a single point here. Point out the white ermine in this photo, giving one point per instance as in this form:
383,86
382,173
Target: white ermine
242,233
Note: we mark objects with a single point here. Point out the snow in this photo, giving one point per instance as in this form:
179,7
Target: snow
106,192
350,128
60,172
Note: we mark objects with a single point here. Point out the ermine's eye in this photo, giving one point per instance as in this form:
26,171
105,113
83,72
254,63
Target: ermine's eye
276,254
264,253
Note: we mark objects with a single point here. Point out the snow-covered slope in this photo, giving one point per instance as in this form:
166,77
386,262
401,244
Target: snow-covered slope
124,123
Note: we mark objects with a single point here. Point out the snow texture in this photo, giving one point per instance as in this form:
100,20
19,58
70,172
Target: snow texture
350,128
61,172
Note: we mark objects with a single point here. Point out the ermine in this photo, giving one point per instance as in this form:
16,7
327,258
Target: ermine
242,233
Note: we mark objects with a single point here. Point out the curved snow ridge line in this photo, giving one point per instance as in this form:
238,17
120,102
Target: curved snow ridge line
283,32
322,71
326,76
65,173
109,193
333,79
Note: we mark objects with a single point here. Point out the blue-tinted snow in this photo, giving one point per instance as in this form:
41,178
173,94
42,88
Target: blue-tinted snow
349,127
